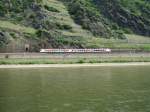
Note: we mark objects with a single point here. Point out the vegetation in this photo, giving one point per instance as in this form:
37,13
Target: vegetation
50,8
9,61
75,23
99,16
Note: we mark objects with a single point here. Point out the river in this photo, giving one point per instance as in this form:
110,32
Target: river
85,89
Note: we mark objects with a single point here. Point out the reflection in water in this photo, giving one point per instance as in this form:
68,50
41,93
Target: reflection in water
97,89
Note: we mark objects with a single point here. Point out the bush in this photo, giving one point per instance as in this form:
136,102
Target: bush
6,56
119,34
67,27
52,9
63,27
80,61
39,33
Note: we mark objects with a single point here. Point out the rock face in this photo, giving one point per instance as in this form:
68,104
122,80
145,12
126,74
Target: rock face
3,38
100,15
124,17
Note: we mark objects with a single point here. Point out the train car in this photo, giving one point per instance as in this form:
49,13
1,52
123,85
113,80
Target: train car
101,50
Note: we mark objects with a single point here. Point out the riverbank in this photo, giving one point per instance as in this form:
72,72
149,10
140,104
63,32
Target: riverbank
75,65
77,60
91,58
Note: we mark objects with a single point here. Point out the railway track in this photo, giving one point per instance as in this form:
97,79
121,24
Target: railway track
75,55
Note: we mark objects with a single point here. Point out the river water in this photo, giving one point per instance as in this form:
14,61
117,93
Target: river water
87,89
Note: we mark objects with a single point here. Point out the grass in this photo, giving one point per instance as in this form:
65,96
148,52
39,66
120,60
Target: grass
132,42
74,61
63,18
138,39
16,27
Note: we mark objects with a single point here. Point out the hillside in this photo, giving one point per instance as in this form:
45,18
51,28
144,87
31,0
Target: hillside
74,24
105,16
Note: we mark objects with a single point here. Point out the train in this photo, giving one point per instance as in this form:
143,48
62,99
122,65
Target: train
100,50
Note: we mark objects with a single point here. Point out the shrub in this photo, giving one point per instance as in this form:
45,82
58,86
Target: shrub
39,33
6,56
52,9
63,26
80,61
67,27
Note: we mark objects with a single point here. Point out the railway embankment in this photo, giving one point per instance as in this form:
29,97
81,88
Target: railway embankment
77,58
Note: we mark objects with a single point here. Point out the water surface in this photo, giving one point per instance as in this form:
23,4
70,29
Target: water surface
91,89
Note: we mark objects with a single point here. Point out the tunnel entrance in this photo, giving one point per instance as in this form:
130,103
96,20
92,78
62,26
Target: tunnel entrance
27,47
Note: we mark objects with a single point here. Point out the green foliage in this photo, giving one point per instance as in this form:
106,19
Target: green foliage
128,14
14,5
50,8
81,61
52,23
4,38
99,16
120,34
63,26
86,14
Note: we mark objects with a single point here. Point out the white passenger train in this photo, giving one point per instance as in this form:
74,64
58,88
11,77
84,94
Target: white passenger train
101,50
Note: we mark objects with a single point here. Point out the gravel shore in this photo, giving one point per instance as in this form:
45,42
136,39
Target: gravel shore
75,65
